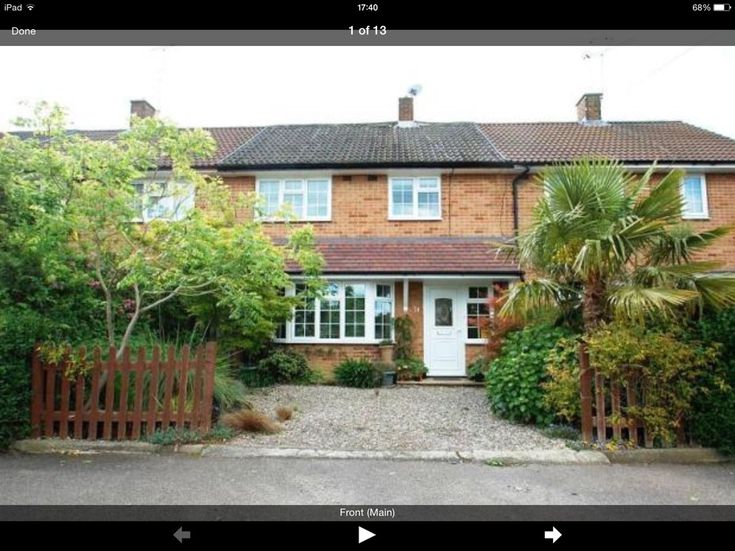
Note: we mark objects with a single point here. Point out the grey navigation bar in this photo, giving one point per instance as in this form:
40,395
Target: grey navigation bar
39,37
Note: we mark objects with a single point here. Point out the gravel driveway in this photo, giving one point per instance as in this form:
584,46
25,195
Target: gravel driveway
399,418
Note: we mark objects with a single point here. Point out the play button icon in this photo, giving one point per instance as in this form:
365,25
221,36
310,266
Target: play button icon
363,534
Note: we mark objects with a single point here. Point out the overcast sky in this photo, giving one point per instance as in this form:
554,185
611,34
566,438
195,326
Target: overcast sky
231,86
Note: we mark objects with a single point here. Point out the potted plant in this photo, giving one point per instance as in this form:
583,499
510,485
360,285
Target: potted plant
386,351
387,373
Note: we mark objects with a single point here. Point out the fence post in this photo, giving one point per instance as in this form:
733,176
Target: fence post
36,392
210,359
585,391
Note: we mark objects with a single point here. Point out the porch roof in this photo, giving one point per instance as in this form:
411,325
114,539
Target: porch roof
414,255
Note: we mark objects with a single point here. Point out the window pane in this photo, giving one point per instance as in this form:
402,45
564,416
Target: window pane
355,311
383,291
304,315
693,200
317,198
478,319
428,183
268,189
429,204
478,292
329,319
402,196
293,196
443,312
383,309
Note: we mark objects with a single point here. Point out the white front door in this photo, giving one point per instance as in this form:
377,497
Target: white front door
443,331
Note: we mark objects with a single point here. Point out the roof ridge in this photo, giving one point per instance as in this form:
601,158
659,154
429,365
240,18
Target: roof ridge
490,142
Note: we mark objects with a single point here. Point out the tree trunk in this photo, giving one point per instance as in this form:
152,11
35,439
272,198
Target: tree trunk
592,314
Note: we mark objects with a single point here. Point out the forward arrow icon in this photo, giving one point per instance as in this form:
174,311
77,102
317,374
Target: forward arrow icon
552,534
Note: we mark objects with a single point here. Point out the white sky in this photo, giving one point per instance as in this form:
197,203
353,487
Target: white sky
231,86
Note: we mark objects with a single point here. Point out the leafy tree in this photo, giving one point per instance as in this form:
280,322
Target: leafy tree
77,204
608,244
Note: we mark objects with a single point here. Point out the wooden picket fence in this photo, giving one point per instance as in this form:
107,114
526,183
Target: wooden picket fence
603,406
122,400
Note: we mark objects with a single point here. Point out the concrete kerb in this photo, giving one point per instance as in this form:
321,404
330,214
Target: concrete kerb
491,457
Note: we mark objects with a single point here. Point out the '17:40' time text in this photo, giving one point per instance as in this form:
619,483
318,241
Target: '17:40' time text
379,30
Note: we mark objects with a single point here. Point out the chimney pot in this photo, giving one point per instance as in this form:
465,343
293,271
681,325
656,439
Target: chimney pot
589,108
142,109
405,109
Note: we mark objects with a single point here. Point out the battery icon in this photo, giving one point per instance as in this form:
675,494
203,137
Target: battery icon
723,7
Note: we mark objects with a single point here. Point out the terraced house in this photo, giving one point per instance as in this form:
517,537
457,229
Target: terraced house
406,212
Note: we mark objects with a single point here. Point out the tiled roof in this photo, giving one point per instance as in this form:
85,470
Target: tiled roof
626,141
227,139
384,145
371,144
414,255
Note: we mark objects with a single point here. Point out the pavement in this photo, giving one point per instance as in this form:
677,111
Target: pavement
132,479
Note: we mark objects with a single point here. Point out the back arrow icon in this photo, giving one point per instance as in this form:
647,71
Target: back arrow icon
182,535
552,534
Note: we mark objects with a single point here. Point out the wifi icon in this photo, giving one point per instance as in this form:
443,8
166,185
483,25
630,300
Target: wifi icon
30,7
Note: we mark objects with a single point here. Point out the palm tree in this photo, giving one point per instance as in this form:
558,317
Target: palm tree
608,244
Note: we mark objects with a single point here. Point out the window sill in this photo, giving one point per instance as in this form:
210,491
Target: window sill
328,341
413,219
476,342
695,217
292,221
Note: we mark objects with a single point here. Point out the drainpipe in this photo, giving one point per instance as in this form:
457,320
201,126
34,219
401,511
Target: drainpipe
516,215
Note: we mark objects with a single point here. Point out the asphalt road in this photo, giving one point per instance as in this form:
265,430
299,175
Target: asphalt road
179,479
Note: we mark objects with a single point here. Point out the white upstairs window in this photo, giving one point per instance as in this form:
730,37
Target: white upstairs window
163,200
301,199
694,191
415,198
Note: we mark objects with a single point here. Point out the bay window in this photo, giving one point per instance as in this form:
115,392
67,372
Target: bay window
340,314
305,199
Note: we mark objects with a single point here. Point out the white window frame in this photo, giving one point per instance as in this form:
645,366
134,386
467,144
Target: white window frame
183,205
370,297
468,300
415,189
704,215
303,216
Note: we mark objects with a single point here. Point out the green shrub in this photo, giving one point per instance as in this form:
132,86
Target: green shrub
411,369
712,421
403,333
562,388
564,432
358,373
478,368
514,378
666,367
229,391
278,367
174,436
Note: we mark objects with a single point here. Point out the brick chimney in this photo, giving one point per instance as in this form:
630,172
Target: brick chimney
405,109
142,109
589,108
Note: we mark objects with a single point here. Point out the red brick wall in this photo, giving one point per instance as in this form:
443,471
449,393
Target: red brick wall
325,357
721,199
472,204
415,312
472,351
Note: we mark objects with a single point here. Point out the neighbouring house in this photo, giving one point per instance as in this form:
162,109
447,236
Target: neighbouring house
406,212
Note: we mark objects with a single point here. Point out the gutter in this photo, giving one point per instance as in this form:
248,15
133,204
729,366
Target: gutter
514,185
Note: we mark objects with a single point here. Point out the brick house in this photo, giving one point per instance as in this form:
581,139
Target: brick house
406,213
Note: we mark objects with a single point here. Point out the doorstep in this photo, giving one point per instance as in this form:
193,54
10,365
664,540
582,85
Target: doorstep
442,381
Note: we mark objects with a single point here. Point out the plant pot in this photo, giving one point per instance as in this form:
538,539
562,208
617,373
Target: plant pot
389,378
386,354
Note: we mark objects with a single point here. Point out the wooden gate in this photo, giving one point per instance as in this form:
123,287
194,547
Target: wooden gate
96,398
